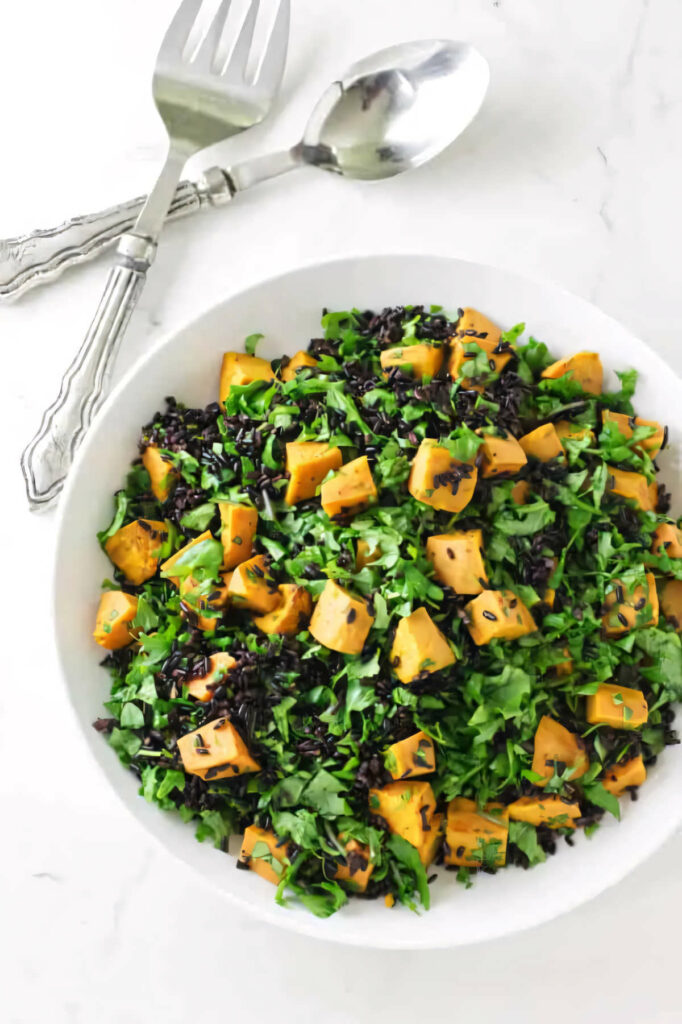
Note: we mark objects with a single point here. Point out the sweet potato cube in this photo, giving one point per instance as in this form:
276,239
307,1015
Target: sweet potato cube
406,807
180,554
629,609
458,560
357,870
520,492
626,775
203,687
573,431
340,620
671,603
115,613
308,463
252,586
617,706
551,811
239,528
419,646
564,668
410,757
556,748
476,838
162,472
238,369
633,486
198,601
350,491
585,368
543,443
300,361
216,751
265,853
667,540
439,480
651,444
135,548
415,360
498,615
291,615
475,331
365,555
431,840
501,455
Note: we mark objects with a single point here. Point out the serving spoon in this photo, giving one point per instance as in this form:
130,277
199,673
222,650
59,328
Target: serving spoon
390,112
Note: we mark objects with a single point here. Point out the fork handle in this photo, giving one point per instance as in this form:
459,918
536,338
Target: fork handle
41,256
48,456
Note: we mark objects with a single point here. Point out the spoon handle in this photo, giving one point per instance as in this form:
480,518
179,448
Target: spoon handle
39,257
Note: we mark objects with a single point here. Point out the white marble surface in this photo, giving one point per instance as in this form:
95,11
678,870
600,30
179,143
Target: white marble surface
571,173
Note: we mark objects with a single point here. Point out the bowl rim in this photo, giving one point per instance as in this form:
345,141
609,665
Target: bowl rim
273,914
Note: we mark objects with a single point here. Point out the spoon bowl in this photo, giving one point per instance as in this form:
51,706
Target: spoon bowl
396,109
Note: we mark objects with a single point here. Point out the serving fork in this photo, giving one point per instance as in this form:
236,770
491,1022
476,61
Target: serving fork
202,100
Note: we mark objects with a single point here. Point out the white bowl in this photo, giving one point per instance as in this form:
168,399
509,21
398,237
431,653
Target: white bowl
287,310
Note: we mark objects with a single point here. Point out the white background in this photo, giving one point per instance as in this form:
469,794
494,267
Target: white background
572,173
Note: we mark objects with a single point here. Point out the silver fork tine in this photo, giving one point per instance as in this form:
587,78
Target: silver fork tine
271,65
205,57
236,65
179,29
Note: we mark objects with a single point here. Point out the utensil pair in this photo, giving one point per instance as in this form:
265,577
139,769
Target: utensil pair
392,111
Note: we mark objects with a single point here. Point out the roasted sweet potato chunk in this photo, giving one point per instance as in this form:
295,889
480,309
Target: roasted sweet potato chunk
162,472
551,811
350,491
239,369
203,687
265,853
415,360
476,837
419,646
216,751
667,540
292,613
618,706
458,560
626,775
634,487
630,609
671,603
115,613
501,455
135,549
308,463
408,810
498,615
585,368
411,757
239,528
556,749
357,870
302,360
340,620
627,426
439,480
543,443
252,586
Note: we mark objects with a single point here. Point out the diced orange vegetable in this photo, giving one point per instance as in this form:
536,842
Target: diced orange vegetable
135,548
431,840
667,540
557,748
216,751
300,361
162,472
389,900
365,555
439,480
564,668
585,368
671,603
501,455
238,369
625,775
174,559
638,608
115,613
551,811
202,687
252,586
458,560
476,837
634,487
216,598
498,615
651,444
357,870
291,615
350,491
543,443
573,431
486,336
308,463
265,853
419,646
407,808
520,492
410,757
415,360
239,528
617,706
340,620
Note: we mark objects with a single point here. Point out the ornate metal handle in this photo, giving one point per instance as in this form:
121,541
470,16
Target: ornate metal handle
48,457
41,256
